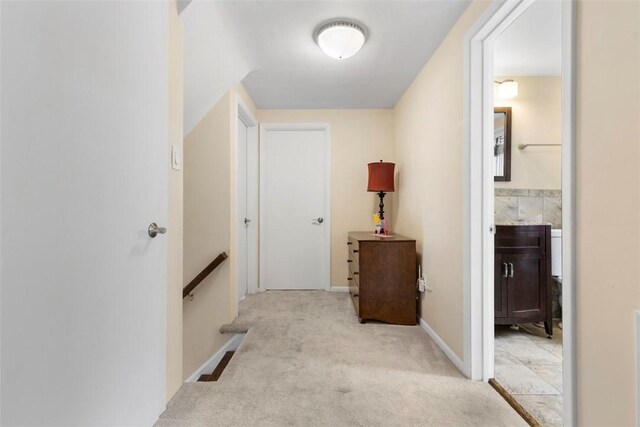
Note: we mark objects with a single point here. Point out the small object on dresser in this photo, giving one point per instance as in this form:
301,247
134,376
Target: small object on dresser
383,226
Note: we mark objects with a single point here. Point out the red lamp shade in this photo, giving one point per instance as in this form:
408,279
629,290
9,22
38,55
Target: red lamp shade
381,177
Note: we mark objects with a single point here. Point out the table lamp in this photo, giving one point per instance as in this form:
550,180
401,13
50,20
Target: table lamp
381,181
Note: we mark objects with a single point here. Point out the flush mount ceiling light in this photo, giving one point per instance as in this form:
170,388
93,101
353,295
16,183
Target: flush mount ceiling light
340,38
507,89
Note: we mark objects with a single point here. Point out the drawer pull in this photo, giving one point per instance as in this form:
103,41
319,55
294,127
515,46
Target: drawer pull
511,265
349,260
349,278
349,243
355,251
506,269
355,273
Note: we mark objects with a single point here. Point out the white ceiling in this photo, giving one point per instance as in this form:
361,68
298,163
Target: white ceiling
531,46
269,46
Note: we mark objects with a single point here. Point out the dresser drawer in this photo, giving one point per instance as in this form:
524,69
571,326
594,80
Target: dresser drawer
354,292
354,288
351,261
354,272
354,250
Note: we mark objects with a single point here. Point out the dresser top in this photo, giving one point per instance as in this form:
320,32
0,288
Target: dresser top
368,236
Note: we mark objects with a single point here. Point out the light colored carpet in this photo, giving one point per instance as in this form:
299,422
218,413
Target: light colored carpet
306,361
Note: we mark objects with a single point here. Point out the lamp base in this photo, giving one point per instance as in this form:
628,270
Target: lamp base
384,228
381,194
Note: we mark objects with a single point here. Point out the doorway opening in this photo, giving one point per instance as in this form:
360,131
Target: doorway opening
246,217
519,197
528,212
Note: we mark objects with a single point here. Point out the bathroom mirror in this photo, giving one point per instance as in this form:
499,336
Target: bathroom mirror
502,143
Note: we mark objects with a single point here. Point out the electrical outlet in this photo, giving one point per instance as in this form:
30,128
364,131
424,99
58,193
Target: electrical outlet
422,284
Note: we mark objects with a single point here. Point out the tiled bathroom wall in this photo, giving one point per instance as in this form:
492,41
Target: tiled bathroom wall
543,206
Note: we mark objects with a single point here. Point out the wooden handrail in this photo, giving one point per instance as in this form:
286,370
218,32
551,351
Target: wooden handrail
204,273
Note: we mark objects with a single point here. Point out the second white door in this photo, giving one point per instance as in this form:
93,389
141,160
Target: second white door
295,207
243,217
246,253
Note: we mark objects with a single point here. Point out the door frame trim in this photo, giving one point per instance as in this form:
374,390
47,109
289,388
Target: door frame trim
244,115
326,128
478,195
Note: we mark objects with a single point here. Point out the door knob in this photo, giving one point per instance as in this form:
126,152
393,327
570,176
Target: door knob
154,230
319,220
247,221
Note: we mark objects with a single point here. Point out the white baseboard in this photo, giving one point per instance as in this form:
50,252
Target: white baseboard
339,289
458,363
211,364
637,365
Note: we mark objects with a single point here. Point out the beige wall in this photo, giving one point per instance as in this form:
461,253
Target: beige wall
536,119
208,152
608,209
174,224
358,137
206,234
428,151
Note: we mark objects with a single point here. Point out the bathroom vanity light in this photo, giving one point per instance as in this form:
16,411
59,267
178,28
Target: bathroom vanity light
507,89
340,38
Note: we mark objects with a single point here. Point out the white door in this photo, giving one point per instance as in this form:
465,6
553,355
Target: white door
295,206
243,217
246,223
84,172
253,202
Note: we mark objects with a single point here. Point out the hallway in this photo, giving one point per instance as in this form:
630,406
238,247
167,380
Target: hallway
307,361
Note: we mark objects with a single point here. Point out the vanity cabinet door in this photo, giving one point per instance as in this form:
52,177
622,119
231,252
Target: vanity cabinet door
500,286
523,296
527,285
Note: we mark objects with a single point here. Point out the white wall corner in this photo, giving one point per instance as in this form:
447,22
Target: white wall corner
457,362
208,366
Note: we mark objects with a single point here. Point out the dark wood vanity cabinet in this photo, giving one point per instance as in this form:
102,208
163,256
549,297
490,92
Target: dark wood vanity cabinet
522,291
382,277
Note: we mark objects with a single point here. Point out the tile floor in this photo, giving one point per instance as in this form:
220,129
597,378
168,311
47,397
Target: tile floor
529,366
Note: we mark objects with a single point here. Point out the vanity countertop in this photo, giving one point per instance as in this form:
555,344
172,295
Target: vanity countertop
523,223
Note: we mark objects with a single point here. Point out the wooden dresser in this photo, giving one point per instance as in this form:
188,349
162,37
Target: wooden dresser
522,291
382,277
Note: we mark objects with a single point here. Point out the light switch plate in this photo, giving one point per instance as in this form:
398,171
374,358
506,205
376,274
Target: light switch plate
175,158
